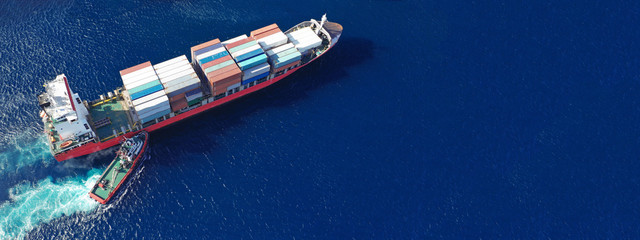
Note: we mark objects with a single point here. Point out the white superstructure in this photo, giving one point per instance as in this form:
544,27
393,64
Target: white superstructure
65,111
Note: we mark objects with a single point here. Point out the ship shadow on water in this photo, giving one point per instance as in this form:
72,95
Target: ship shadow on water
329,68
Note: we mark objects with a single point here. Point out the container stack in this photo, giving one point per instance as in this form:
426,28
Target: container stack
250,59
284,57
144,90
216,65
304,39
178,77
269,37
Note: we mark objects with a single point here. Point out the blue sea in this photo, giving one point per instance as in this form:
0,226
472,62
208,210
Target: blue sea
428,120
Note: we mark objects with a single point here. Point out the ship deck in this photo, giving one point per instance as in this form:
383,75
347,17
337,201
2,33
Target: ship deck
117,115
108,174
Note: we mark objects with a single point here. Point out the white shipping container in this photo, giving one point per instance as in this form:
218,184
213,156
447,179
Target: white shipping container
137,72
302,32
309,44
235,39
211,53
255,71
175,75
180,81
282,48
150,106
139,75
299,34
246,50
153,111
172,66
170,61
147,98
141,78
273,40
152,102
175,70
181,85
233,86
140,83
306,38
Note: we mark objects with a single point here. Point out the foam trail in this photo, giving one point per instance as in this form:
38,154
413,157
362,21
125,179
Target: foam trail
22,152
34,204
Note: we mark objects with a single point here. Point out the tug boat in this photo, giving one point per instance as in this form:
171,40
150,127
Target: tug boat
127,157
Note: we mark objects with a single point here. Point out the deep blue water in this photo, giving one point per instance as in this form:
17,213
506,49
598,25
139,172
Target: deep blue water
428,120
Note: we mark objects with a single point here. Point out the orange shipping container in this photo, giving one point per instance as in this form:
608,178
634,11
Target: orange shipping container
220,71
215,62
238,43
135,68
179,103
177,97
236,77
264,29
201,46
286,66
267,33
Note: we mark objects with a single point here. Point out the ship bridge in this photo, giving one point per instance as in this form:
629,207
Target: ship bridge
64,115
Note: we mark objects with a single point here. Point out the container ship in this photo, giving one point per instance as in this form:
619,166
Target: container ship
154,96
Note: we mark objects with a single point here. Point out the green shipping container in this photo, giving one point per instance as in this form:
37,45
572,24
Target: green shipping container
195,101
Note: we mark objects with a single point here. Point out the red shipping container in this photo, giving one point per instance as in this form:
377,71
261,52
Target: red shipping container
224,80
238,43
264,29
230,76
176,97
179,104
216,62
135,68
286,66
225,75
267,33
220,71
201,46
223,86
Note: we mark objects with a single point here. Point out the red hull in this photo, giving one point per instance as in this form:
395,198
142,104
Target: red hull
133,167
95,147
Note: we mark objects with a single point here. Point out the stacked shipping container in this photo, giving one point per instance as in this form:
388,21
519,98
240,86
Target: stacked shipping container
178,77
250,58
304,39
144,90
282,55
216,65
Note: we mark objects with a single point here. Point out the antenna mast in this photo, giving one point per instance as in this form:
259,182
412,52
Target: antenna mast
324,19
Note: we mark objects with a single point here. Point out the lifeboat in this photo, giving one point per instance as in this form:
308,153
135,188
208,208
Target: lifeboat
66,144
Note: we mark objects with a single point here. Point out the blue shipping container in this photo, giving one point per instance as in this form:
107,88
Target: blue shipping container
252,62
192,92
183,90
288,59
255,78
157,115
249,55
144,86
213,57
274,58
216,67
146,92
